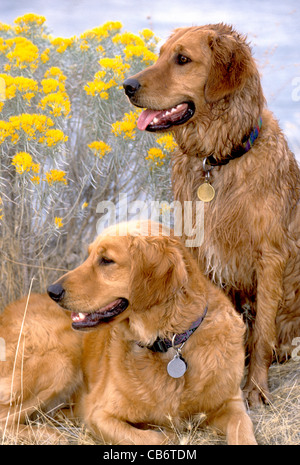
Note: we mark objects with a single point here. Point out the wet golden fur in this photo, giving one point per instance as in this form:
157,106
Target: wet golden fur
126,387
252,227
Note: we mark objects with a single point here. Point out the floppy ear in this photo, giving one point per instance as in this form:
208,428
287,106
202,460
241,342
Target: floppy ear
230,66
158,271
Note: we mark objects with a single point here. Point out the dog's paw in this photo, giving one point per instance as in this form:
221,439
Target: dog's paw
256,395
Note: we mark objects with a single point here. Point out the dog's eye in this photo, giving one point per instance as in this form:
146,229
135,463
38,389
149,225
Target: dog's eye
182,60
105,261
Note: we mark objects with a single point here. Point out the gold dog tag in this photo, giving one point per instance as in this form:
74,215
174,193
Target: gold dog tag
206,192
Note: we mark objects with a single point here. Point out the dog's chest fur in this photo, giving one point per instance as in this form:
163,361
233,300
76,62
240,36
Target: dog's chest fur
226,221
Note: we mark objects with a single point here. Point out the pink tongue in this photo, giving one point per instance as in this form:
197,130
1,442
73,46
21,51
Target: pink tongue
145,118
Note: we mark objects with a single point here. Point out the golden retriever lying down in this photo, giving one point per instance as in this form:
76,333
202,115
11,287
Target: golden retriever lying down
206,89
144,298
130,291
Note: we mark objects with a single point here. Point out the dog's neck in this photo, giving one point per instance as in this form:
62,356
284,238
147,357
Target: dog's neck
162,345
174,316
221,128
239,151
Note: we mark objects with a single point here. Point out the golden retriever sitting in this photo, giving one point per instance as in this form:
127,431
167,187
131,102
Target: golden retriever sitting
232,155
166,343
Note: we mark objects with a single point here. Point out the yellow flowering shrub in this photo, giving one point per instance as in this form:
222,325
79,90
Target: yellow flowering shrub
22,162
53,137
62,44
27,87
102,32
68,140
127,126
54,176
56,73
22,53
99,148
30,125
98,86
156,155
56,103
167,141
29,23
140,51
50,85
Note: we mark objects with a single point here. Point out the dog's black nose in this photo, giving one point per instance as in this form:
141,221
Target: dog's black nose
131,86
56,292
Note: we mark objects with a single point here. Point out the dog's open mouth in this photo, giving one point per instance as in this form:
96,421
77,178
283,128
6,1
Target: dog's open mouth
158,120
103,315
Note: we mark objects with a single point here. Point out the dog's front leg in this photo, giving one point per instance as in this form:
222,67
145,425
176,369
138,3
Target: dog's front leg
233,420
116,431
269,297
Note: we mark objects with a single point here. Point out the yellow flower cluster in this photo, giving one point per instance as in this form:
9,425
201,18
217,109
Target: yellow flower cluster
30,124
113,69
22,53
1,209
53,137
61,44
7,130
140,51
56,100
84,45
58,222
126,127
102,32
98,86
5,27
147,34
28,22
135,46
167,141
54,176
99,148
22,161
52,85
127,38
45,55
26,86
57,103
56,73
115,65
156,156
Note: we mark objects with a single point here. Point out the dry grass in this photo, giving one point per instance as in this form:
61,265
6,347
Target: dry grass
275,424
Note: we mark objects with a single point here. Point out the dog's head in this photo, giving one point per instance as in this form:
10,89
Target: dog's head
197,67
123,276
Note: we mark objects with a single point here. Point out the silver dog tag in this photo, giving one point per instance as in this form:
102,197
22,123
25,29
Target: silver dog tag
177,367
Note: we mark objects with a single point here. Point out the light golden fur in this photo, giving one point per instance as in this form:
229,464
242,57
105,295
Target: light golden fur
252,227
42,366
126,387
